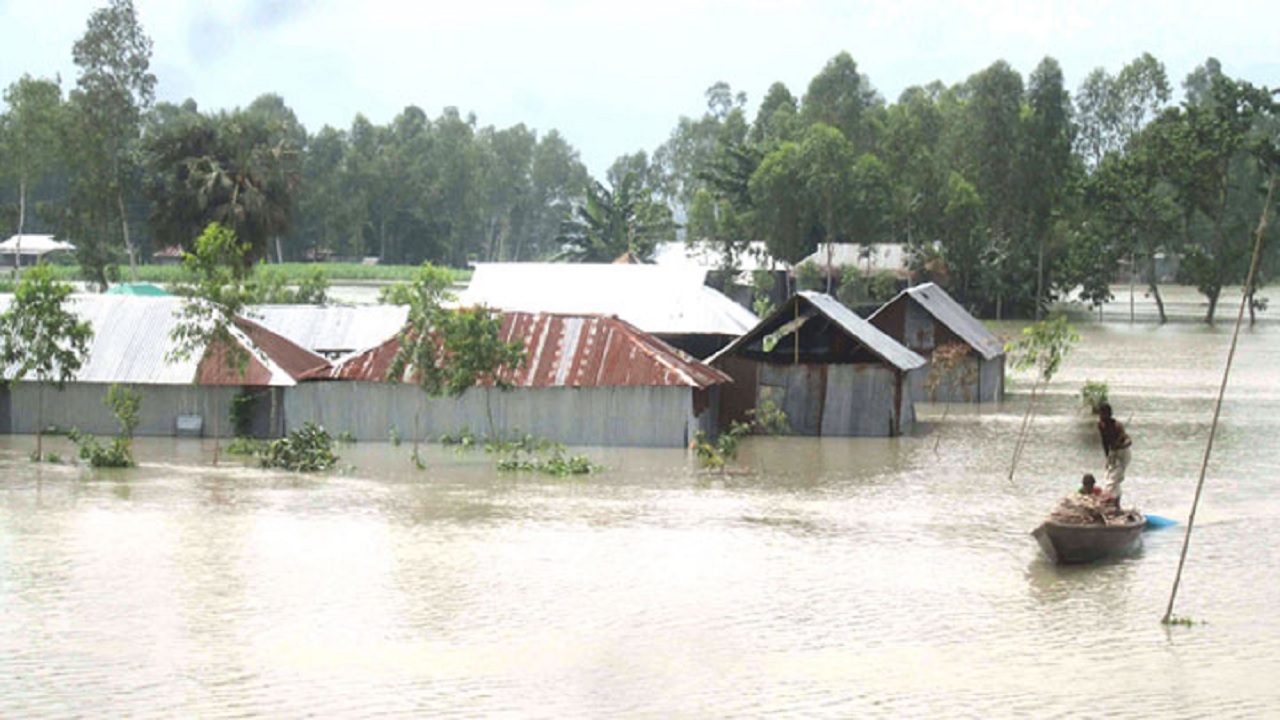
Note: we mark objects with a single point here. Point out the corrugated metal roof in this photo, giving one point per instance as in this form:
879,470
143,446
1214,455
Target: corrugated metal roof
565,351
947,311
131,342
669,301
332,330
880,344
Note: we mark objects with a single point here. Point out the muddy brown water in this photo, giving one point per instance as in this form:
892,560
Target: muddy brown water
819,578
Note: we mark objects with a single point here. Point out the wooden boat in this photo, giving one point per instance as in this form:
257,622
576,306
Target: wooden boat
1066,543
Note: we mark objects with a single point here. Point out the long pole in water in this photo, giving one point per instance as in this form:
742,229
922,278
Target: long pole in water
1217,408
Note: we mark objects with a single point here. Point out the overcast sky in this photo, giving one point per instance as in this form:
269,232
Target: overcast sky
615,76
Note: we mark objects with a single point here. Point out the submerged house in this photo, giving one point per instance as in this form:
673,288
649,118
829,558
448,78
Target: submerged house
923,318
832,372
673,304
586,380
130,346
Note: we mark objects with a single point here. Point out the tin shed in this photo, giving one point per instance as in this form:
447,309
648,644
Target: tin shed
925,317
131,345
673,304
586,380
832,372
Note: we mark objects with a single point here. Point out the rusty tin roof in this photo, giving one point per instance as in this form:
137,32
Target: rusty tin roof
565,351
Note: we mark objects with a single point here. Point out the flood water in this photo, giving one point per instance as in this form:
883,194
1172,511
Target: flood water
819,578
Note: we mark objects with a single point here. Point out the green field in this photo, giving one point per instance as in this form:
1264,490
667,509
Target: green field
292,272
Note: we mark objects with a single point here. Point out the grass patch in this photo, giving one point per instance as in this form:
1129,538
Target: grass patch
291,272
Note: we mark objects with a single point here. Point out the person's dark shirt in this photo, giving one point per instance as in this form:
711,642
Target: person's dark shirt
1113,435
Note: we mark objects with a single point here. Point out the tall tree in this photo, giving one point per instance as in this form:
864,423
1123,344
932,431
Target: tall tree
1199,148
1047,161
843,98
41,337
826,162
780,215
30,129
238,169
114,88
776,119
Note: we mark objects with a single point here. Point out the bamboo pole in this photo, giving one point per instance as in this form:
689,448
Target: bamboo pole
1222,389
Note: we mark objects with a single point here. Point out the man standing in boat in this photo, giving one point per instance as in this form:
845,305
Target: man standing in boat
1115,443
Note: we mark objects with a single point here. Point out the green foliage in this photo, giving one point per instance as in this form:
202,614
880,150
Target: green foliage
1043,347
448,351
247,446
39,335
624,220
465,438
809,276
1094,393
553,461
270,286
214,294
238,169
768,419
125,404
307,449
762,292
116,454
714,455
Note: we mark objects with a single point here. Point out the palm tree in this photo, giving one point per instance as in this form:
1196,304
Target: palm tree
626,220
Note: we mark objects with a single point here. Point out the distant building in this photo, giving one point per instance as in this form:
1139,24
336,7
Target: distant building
832,372
673,304
24,250
171,255
586,380
867,259
925,317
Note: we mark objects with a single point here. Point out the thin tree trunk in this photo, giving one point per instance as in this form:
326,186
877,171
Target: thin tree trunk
488,408
279,251
22,204
128,242
1152,284
39,422
1039,275
216,436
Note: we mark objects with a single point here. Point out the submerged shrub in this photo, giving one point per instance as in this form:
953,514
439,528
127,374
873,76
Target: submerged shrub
116,454
307,449
548,459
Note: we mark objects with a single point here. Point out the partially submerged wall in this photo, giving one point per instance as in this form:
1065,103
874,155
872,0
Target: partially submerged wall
655,416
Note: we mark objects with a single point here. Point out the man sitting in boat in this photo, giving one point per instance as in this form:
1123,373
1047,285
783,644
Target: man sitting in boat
1089,486
1115,444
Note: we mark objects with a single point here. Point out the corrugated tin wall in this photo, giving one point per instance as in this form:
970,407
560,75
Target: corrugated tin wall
654,416
986,383
80,405
859,401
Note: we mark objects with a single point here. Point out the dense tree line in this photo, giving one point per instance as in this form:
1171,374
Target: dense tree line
1011,192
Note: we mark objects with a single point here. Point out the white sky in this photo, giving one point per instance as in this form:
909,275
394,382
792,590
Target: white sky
615,76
